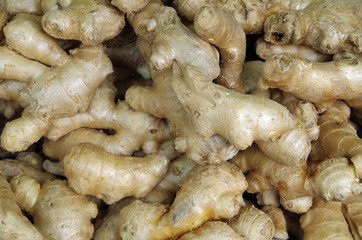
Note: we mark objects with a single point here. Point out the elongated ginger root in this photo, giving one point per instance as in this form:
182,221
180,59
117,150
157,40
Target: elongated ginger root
253,224
212,230
87,21
14,224
222,30
208,192
337,137
325,221
57,211
277,216
352,211
319,83
78,79
92,171
329,26
266,50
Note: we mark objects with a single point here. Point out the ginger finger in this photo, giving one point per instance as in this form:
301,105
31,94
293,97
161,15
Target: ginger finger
130,6
222,30
277,216
10,90
221,198
353,213
298,205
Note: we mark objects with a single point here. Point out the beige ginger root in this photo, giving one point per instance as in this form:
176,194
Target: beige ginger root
329,26
87,21
78,79
222,30
280,225
208,192
325,220
127,6
14,224
352,211
319,83
10,90
90,170
297,205
14,7
57,211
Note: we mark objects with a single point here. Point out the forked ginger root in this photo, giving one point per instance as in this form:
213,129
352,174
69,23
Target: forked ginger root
208,192
57,211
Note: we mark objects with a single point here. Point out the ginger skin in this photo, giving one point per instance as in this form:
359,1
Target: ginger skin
277,216
329,26
353,213
14,7
202,197
90,170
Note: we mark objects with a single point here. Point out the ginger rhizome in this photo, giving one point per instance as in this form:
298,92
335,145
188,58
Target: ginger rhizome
14,224
318,82
277,216
14,7
208,192
78,79
87,21
325,220
329,26
222,30
9,108
90,170
352,210
57,211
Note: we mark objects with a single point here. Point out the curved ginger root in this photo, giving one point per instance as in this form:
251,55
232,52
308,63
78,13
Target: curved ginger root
319,83
61,91
57,211
90,170
208,192
329,26
298,205
87,21
14,224
222,30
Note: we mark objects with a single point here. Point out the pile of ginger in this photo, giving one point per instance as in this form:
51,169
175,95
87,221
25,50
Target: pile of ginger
183,119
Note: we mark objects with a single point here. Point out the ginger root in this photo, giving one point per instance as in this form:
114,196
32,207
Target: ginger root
352,211
277,216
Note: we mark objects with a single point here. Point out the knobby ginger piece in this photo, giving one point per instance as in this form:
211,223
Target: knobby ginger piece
329,26
266,50
90,170
212,230
337,137
57,211
352,210
222,30
87,21
31,158
127,6
297,205
253,224
14,224
208,192
59,92
277,216
317,82
35,43
325,220
14,7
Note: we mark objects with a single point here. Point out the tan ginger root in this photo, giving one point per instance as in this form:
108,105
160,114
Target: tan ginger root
297,205
222,30
205,102
208,192
78,79
329,26
266,50
57,211
253,224
319,83
325,221
10,90
35,43
14,7
352,211
212,230
87,21
92,171
127,6
14,225
337,137
280,225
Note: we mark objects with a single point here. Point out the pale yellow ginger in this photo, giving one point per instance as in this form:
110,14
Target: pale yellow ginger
268,197
133,129
57,211
59,92
90,170
166,189
253,224
35,43
266,50
318,82
208,192
10,90
325,220
329,26
14,225
127,6
14,7
9,108
337,137
212,230
87,21
298,205
352,210
280,225
222,30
